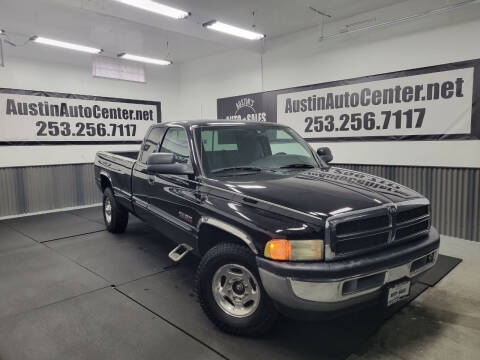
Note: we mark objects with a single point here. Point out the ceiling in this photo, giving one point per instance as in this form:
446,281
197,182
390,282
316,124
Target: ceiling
278,17
116,27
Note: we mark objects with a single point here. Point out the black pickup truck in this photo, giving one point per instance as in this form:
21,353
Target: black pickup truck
277,229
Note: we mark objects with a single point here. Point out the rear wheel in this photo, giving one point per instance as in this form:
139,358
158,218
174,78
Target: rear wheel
231,293
114,215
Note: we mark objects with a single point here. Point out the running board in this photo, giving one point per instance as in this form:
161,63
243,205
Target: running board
179,252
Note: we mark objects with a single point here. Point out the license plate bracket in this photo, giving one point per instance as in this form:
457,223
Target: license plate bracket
398,291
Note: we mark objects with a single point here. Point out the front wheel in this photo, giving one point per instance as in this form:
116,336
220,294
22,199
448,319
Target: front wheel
231,293
114,215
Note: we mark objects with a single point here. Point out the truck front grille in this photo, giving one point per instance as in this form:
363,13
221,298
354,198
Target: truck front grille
362,225
412,214
411,230
364,242
363,231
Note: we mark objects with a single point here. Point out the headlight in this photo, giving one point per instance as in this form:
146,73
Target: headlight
294,250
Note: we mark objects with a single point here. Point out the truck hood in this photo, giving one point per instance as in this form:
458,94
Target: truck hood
319,192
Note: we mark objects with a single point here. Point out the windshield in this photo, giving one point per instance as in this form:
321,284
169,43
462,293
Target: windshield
233,149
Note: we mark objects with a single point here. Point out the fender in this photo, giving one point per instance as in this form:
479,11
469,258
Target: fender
107,175
116,190
228,228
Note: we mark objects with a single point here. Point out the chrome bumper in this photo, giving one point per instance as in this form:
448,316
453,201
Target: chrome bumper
331,286
337,291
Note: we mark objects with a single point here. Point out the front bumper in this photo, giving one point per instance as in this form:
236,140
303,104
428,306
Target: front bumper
336,285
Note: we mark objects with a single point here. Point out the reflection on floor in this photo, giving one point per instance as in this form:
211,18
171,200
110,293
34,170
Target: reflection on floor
71,290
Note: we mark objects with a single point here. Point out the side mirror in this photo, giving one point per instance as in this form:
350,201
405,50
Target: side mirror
325,154
164,163
160,159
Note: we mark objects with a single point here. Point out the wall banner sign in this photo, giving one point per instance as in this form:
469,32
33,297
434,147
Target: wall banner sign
37,118
433,103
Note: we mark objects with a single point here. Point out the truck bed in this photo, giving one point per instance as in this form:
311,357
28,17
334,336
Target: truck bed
118,167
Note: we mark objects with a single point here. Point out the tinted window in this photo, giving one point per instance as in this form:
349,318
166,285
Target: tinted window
176,142
210,142
282,142
264,147
152,142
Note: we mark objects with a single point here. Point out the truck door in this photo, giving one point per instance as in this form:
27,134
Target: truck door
172,199
140,178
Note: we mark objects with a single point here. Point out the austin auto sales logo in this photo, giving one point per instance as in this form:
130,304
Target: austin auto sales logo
245,110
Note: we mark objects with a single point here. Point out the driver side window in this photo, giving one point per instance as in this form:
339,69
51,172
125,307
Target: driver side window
176,142
152,143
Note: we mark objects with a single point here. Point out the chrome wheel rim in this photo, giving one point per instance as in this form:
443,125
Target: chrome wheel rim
108,210
236,290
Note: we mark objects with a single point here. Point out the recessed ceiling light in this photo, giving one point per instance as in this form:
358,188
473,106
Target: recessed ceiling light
157,8
233,30
65,45
144,59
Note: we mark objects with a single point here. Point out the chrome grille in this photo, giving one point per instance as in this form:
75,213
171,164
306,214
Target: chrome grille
367,230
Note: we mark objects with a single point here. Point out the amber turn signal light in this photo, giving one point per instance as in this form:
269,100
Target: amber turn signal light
294,250
278,249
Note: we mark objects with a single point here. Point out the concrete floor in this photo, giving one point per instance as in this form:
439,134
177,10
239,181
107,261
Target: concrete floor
71,290
443,322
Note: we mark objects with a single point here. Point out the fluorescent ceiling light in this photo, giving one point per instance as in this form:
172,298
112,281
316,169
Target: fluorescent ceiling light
415,16
66,45
144,59
233,30
157,8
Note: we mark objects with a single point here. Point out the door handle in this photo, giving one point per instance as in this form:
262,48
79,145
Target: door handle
151,180
200,197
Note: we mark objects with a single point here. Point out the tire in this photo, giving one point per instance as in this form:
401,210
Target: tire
114,215
257,317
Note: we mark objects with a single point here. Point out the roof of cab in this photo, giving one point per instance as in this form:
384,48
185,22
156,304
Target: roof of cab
218,123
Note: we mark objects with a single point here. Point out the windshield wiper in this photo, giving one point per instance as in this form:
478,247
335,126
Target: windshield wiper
297,166
233,168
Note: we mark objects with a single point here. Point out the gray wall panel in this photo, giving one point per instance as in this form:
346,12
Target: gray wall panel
454,192
40,188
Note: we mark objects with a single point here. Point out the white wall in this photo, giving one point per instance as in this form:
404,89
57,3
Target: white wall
190,90
299,59
203,81
35,73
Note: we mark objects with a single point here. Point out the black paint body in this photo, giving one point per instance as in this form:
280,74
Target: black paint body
290,204
294,204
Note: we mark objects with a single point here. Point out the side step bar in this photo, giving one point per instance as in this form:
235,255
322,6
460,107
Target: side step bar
179,252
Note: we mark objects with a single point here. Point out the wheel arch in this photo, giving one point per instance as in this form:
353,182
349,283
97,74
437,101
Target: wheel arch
105,181
213,231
